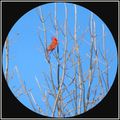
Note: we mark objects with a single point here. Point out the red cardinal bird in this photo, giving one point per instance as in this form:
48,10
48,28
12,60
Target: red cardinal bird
53,45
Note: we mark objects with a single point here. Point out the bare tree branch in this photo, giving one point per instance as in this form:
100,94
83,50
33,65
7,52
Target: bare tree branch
7,58
24,87
80,74
64,64
44,96
105,57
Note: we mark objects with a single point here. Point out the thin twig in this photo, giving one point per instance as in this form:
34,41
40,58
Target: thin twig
24,87
44,96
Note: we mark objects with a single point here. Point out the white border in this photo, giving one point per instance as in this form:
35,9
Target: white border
60,1
63,1
118,61
1,61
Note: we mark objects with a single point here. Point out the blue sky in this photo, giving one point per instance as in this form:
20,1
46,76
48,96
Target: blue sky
26,52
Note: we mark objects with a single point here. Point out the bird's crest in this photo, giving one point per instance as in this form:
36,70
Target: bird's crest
54,39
